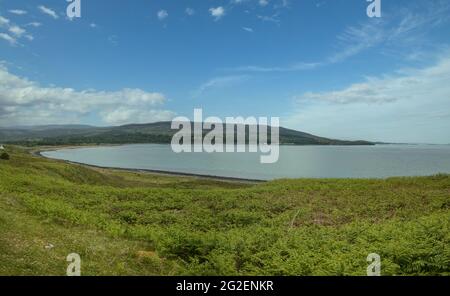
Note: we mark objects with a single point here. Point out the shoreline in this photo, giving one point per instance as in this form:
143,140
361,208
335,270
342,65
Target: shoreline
38,153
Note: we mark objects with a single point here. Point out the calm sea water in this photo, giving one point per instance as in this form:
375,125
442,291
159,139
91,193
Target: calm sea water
295,161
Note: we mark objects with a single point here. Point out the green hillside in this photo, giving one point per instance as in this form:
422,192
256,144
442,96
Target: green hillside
159,132
124,223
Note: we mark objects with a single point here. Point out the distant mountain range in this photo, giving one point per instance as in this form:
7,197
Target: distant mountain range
159,132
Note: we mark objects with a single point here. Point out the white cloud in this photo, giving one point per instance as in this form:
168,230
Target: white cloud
16,30
93,25
26,102
162,14
48,11
18,11
217,12
13,32
408,106
11,40
250,30
190,11
3,21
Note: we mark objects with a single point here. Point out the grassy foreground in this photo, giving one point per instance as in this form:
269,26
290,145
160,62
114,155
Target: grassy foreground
124,223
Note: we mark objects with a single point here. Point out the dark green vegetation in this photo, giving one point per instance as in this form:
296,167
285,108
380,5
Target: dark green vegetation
133,224
159,132
4,155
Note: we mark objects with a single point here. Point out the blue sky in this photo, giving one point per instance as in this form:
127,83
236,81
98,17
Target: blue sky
322,66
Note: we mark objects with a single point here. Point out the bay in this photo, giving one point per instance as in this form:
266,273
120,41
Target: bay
379,161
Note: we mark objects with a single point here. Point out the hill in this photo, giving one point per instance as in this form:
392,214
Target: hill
159,132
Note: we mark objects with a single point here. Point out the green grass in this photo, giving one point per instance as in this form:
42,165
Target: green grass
124,223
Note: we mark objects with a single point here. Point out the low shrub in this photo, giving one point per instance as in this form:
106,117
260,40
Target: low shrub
4,156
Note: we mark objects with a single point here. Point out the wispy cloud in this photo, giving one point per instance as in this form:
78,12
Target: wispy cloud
250,30
4,21
274,18
34,24
11,40
358,38
18,11
405,29
114,40
290,68
48,11
13,32
219,83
